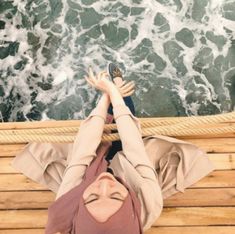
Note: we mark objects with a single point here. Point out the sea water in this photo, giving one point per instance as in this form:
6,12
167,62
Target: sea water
180,53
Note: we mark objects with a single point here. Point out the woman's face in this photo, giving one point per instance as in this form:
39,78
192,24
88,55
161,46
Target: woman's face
104,196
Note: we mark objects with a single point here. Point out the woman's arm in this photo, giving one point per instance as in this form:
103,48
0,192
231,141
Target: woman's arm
91,130
129,131
90,133
140,173
128,128
85,146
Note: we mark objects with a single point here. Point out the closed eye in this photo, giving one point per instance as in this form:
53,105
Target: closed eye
115,198
111,197
90,201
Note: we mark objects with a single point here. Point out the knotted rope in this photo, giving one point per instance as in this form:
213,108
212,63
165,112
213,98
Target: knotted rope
173,126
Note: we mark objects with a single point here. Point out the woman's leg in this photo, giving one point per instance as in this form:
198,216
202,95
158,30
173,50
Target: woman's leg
117,145
128,101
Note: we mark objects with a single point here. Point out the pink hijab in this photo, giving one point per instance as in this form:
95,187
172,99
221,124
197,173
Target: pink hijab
69,215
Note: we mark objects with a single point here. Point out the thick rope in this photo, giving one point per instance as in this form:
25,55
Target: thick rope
191,121
181,126
177,122
114,136
184,132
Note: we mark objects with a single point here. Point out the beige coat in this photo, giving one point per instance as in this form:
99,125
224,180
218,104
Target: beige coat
155,167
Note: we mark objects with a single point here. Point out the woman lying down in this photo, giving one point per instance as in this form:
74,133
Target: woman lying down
111,187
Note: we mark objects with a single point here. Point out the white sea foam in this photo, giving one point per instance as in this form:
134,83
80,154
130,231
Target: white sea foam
72,59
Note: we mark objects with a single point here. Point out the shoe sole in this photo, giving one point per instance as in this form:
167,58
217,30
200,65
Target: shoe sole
110,72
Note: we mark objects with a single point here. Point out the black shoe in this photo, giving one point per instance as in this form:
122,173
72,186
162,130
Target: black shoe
114,71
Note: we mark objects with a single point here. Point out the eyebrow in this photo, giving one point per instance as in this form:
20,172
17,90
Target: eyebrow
118,199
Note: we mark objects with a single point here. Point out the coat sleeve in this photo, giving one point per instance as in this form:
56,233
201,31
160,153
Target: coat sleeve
137,167
84,149
133,146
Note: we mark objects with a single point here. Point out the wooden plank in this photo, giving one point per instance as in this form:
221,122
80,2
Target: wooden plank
221,162
19,182
26,200
216,179
22,231
13,182
190,198
213,145
196,216
202,197
154,230
10,149
180,118
190,230
39,124
23,219
193,216
5,166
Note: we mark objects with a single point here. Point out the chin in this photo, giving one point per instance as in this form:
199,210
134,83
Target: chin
107,175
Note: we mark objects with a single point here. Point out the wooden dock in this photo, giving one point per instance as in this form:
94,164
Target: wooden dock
207,207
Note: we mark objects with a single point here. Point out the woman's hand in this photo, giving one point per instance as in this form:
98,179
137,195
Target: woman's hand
126,88
102,83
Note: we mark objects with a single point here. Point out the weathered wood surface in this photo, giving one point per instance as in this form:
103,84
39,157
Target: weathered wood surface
207,207
173,216
221,161
190,198
155,230
212,145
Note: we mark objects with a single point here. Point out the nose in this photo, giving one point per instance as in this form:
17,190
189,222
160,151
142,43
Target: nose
105,186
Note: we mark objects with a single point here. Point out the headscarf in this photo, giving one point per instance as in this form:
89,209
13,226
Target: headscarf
69,215
125,220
